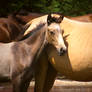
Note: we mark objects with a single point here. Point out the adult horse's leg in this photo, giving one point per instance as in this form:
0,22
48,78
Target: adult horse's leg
50,78
40,73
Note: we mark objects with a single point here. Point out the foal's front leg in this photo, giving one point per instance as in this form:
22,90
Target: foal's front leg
21,84
50,78
41,70
45,77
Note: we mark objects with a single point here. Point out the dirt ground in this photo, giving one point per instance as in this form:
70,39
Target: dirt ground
59,86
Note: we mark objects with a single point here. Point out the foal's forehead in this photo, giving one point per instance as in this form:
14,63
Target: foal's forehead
54,26
55,15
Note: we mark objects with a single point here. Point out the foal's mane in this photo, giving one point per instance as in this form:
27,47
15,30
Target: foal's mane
33,31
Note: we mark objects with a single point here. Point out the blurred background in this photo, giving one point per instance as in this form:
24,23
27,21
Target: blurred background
66,7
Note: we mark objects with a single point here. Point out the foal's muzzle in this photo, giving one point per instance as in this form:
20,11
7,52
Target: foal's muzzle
62,51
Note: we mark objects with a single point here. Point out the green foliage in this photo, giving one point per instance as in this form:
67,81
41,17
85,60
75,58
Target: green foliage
67,7
76,7
45,6
54,7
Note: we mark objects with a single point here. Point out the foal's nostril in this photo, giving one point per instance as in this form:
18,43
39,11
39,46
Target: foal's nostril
62,51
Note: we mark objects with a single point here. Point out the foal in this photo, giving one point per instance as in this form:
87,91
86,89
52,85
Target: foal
18,59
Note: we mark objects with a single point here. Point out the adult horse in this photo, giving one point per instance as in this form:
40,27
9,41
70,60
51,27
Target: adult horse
76,64
28,16
18,59
10,28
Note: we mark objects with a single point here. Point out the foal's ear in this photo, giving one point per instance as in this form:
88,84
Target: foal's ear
59,20
49,19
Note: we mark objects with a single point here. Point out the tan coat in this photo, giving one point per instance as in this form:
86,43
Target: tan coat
77,62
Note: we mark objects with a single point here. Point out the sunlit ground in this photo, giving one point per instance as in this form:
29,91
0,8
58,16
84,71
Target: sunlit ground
59,86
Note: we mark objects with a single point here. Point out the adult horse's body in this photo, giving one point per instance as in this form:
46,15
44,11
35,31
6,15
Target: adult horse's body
76,64
18,59
26,17
10,28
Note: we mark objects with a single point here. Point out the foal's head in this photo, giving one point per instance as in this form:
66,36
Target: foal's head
54,32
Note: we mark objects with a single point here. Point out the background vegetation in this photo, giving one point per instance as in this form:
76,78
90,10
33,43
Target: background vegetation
67,7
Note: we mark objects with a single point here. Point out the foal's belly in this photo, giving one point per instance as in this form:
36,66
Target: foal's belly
77,62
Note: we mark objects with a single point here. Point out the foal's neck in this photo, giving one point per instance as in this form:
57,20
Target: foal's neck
37,41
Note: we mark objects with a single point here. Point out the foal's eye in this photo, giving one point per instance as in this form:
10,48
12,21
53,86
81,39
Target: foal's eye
52,33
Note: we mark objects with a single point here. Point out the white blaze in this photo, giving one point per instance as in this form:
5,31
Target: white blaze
60,37
61,41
